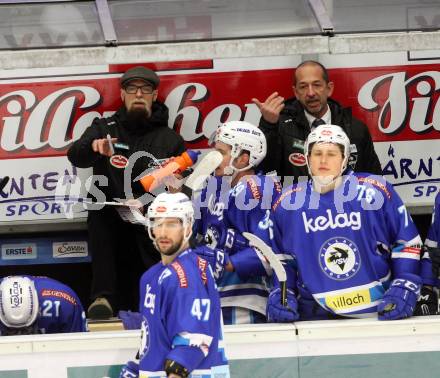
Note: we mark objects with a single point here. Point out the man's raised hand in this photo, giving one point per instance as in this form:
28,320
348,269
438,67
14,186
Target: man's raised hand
271,108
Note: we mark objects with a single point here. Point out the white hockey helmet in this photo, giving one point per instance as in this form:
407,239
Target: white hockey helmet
243,136
328,134
18,302
171,205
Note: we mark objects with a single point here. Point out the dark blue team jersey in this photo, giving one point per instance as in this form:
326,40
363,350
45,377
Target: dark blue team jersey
346,245
181,319
60,308
241,208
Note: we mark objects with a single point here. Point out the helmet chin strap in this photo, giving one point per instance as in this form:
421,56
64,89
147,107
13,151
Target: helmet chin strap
230,170
323,182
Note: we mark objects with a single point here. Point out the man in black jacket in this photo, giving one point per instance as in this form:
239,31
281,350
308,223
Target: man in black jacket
121,251
286,125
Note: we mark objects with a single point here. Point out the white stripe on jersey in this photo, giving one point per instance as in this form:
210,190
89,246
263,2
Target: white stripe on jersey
416,241
405,255
199,340
243,286
251,302
348,290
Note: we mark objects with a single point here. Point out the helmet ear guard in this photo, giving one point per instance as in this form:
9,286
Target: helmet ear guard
19,305
242,136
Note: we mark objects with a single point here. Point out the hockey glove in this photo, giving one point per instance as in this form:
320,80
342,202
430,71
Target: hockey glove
399,301
216,258
434,254
173,367
277,313
235,241
130,320
130,370
228,239
427,303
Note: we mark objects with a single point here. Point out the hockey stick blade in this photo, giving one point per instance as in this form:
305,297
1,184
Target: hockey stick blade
275,263
206,166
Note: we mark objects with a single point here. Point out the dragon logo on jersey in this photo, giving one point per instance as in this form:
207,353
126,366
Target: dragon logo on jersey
339,258
145,338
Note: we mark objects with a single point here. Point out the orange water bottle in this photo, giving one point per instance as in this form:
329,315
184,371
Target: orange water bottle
173,165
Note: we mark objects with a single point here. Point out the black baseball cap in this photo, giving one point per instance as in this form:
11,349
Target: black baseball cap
141,73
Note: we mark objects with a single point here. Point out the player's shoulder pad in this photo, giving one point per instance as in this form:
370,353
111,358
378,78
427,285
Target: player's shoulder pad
376,182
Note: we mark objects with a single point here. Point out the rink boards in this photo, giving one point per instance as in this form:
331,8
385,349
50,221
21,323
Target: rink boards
341,348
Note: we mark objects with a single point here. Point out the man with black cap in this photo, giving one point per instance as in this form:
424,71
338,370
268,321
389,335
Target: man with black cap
122,251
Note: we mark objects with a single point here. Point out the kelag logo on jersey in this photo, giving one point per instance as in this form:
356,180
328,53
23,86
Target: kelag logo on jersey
339,258
322,222
19,251
149,299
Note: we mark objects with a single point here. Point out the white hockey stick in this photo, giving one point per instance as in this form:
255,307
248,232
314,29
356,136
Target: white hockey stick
275,263
202,171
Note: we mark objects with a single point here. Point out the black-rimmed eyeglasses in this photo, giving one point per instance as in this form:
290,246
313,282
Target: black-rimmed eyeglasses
145,89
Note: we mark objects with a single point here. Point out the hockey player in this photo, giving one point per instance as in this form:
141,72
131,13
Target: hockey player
181,332
233,202
355,249
31,305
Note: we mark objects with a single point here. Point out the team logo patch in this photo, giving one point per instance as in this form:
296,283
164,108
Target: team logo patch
202,264
297,159
298,144
183,281
58,294
118,161
254,188
353,158
145,338
339,258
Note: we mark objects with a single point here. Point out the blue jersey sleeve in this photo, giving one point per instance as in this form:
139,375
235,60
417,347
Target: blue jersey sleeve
403,235
191,329
278,218
249,212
